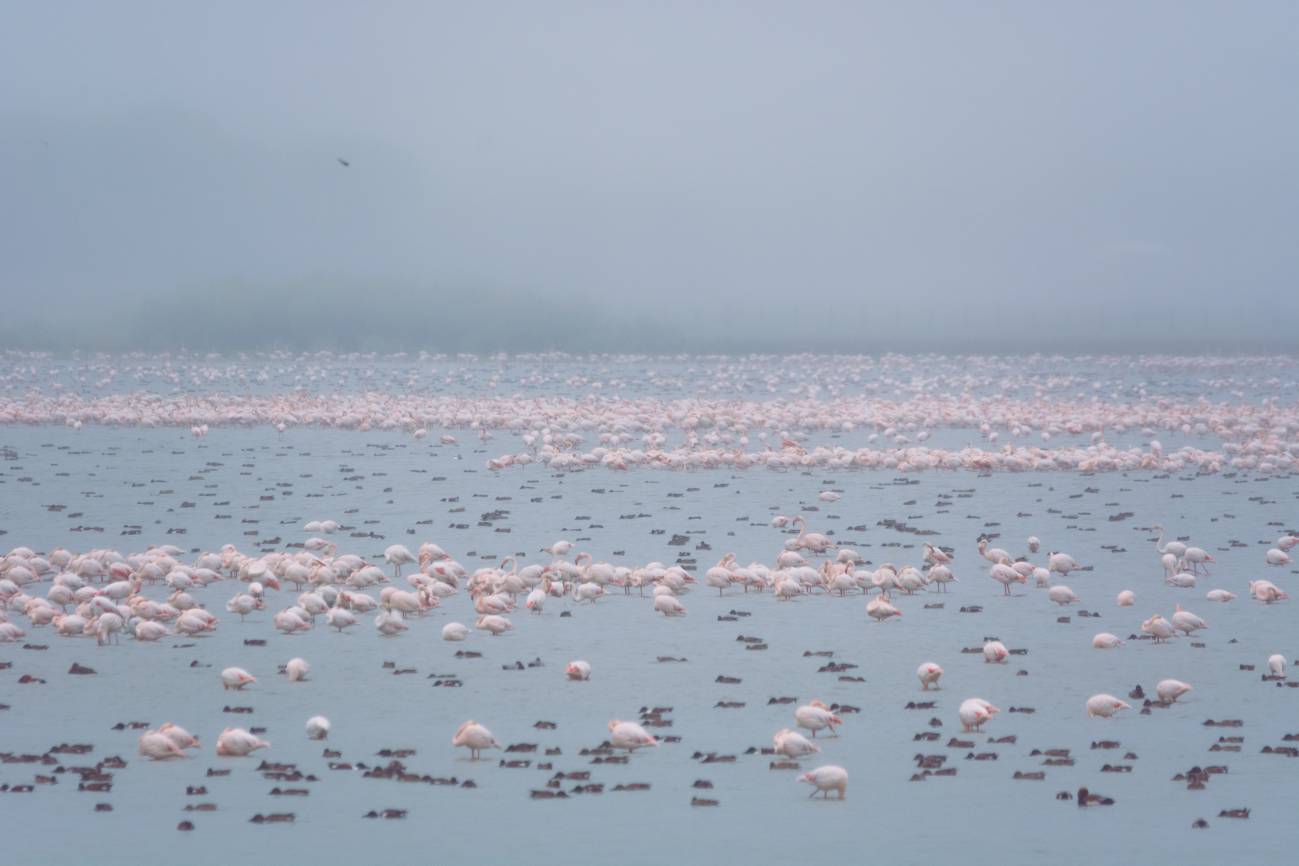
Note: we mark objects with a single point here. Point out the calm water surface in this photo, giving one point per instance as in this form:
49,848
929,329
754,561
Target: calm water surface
127,488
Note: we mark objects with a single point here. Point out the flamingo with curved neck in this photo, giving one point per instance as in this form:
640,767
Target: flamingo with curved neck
1176,548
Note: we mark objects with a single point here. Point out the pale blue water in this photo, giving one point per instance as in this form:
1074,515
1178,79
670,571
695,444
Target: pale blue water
763,816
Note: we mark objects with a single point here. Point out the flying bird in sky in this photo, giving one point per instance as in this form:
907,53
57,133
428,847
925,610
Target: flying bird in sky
344,163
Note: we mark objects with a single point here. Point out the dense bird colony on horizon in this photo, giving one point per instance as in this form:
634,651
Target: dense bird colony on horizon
906,414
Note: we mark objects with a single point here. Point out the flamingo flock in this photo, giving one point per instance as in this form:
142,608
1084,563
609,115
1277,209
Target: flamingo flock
886,404
331,585
105,587
151,594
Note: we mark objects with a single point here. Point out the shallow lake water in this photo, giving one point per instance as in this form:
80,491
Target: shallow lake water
128,488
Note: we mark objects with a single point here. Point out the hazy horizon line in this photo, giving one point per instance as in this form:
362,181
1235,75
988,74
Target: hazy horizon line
18,343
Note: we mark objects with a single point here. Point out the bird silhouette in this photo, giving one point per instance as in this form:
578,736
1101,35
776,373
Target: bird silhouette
344,163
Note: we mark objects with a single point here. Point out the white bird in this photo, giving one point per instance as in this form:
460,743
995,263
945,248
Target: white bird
1276,665
497,625
290,620
1176,548
236,678
1220,595
455,631
318,728
1266,591
1197,558
1061,563
588,591
718,578
578,670
940,575
793,745
816,716
787,589
995,652
195,621
629,736
69,625
973,712
107,627
475,738
158,746
242,604
993,554
826,779
340,618
1158,628
398,555
880,609
297,669
406,603
1187,622
1171,690
1277,556
1062,595
148,630
669,605
1006,575
236,743
929,674
10,632
1105,640
390,622
178,735
1104,706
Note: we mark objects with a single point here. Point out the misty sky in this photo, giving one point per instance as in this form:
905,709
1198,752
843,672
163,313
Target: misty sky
650,176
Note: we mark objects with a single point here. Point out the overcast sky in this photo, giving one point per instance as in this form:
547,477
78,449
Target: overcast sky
650,176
